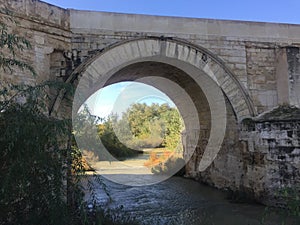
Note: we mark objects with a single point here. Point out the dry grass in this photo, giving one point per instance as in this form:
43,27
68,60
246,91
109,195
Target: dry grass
156,159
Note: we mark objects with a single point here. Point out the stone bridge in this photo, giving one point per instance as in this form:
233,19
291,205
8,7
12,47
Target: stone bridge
235,83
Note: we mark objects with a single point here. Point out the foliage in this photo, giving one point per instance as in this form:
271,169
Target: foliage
11,43
32,190
98,140
173,127
31,162
39,170
111,141
141,126
291,197
85,130
144,126
291,204
289,211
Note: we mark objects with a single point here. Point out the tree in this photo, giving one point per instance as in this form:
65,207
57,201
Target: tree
173,128
144,126
37,155
33,146
110,133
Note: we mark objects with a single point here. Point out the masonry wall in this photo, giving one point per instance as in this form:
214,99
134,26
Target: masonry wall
272,142
248,49
293,60
47,28
254,64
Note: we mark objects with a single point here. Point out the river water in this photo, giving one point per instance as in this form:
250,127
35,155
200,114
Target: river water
176,200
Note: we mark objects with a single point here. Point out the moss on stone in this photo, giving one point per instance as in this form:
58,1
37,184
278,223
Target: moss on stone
280,113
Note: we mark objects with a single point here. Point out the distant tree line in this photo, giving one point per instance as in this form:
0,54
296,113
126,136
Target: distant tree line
142,126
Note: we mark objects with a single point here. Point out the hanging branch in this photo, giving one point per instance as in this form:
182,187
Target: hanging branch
12,42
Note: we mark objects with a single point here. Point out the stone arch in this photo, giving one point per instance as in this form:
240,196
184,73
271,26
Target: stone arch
211,79
172,51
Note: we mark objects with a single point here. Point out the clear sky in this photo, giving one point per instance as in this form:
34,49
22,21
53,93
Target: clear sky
116,98
287,11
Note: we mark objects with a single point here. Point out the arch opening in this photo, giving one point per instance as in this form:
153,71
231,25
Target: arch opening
138,114
191,101
193,79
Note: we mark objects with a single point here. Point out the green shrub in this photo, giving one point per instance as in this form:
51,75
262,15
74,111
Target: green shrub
39,170
289,209
32,166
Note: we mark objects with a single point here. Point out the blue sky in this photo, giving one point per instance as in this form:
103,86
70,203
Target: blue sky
116,98
287,11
